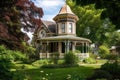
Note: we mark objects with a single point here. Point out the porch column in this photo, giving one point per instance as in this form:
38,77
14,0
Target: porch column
86,46
82,47
41,50
67,46
87,49
73,46
59,47
47,50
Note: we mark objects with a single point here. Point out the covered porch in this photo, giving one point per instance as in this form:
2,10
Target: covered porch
62,45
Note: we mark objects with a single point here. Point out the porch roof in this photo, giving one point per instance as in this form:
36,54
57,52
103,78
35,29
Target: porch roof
65,37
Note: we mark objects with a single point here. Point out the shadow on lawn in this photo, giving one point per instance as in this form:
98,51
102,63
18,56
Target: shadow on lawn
58,73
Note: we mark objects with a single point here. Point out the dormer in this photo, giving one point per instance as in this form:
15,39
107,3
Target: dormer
66,21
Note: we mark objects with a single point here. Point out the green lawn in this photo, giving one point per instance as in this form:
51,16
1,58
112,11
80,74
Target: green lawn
60,73
37,73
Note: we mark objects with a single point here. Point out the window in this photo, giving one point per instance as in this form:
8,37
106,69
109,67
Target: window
63,28
42,33
70,28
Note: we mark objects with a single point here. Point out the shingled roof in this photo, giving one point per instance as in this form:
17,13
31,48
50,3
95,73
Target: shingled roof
65,12
65,9
50,25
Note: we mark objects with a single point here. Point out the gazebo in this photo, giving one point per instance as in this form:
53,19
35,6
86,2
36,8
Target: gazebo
62,45
64,38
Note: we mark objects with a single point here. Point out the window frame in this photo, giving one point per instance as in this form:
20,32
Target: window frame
63,27
70,27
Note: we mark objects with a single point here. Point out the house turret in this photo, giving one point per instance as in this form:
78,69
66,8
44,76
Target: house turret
66,21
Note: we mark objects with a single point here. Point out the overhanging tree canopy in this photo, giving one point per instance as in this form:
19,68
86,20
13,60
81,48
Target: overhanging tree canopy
17,14
90,25
112,9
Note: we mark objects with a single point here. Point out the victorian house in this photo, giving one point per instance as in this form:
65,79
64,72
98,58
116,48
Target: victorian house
60,36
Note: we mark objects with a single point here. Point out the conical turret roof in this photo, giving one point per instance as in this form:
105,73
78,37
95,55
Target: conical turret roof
67,12
65,9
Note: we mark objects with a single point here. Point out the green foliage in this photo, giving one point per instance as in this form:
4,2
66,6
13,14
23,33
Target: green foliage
89,60
18,56
11,22
7,57
75,76
39,63
29,51
12,55
109,12
31,72
89,24
70,58
52,66
100,74
114,40
109,71
55,57
114,37
113,57
94,56
5,64
103,51
20,74
113,69
77,51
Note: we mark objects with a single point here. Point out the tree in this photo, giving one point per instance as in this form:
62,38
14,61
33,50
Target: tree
111,9
17,14
114,39
90,25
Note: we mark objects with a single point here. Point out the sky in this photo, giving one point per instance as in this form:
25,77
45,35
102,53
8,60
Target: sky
50,7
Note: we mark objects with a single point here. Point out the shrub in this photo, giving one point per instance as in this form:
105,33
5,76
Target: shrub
89,60
113,69
77,51
70,58
100,74
21,74
55,57
29,51
5,64
112,57
103,51
18,56
38,63
109,71
94,56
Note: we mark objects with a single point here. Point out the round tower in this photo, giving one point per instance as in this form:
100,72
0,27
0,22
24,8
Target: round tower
66,21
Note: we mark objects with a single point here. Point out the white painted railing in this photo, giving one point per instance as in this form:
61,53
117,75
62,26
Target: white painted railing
82,55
